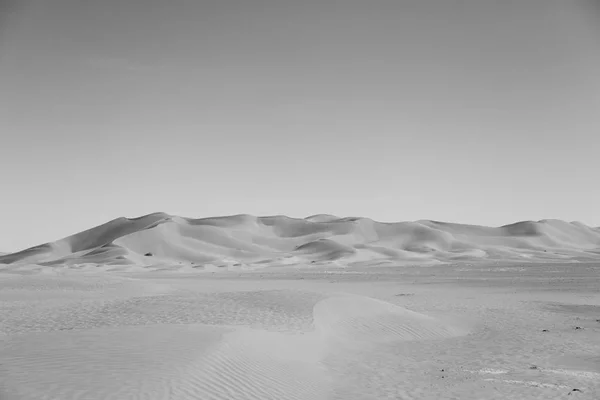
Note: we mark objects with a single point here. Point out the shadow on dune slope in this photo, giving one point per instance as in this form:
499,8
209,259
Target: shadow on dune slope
160,238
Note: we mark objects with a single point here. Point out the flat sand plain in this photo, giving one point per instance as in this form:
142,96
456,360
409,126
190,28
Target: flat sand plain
456,331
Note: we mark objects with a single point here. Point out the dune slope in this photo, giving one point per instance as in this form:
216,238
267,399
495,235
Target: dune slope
245,240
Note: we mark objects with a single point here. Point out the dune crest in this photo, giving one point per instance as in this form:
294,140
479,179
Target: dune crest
246,240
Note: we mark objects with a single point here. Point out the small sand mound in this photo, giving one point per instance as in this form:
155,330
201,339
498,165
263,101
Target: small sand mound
366,319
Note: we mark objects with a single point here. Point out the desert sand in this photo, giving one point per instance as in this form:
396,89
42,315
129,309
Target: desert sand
247,242
243,307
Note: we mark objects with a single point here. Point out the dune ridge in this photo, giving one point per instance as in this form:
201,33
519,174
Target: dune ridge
250,241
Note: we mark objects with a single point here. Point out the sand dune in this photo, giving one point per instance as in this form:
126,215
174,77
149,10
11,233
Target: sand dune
162,239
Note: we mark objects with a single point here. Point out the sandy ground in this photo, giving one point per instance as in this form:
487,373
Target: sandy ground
461,331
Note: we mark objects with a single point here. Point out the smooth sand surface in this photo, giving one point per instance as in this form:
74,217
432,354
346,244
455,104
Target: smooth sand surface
455,331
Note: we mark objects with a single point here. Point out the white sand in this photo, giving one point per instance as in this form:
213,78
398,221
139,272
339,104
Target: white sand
89,317
246,242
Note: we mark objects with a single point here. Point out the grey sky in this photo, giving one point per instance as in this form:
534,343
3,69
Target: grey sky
469,111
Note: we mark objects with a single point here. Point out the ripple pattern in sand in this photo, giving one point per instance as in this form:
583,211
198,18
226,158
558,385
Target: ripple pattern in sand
162,362
277,310
361,318
246,345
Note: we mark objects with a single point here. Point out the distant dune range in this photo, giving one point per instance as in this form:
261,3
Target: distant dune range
241,241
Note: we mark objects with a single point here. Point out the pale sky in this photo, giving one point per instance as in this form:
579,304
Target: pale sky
483,112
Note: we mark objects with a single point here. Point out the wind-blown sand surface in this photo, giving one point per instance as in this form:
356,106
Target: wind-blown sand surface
78,322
